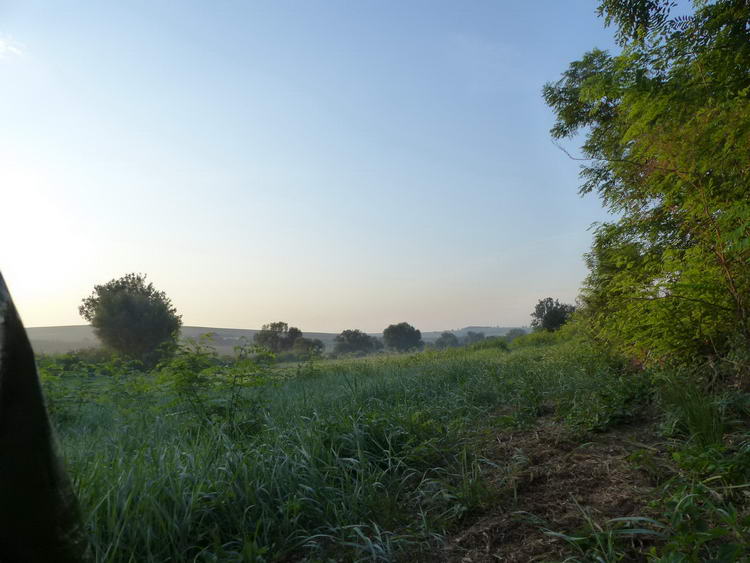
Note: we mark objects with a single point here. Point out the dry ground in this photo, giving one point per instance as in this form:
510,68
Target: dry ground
546,478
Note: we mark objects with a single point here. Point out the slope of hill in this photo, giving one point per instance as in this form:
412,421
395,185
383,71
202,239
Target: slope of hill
61,339
461,332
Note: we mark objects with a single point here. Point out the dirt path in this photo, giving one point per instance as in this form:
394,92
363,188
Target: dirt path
546,479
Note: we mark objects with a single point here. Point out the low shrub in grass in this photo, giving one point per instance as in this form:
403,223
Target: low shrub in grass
537,338
588,387
704,505
690,409
492,343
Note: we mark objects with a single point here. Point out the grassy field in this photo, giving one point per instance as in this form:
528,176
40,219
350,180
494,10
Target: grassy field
401,457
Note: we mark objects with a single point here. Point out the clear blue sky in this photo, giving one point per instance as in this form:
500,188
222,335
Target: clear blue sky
333,164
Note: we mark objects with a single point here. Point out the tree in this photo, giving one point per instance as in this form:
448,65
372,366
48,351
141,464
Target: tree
472,338
131,317
514,333
402,337
291,337
446,340
277,337
550,314
308,346
354,341
667,149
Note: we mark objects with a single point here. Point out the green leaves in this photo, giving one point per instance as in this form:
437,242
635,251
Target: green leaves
212,390
132,318
550,315
667,125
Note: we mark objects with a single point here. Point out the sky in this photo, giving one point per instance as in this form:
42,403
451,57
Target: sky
332,164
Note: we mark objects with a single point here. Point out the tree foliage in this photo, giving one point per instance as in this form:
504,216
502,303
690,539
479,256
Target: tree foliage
549,314
131,317
667,149
308,347
355,341
514,333
277,337
402,337
446,340
472,338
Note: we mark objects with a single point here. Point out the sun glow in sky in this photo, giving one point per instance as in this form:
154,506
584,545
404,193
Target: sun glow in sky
332,164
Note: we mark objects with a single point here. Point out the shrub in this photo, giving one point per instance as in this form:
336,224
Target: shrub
131,317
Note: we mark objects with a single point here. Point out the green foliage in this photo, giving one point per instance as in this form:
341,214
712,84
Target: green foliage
472,338
606,403
667,148
550,315
446,340
705,505
277,337
514,333
375,458
667,125
597,390
542,338
355,459
308,347
635,18
402,337
210,390
67,380
132,318
355,341
496,342
307,457
608,542
691,409
191,373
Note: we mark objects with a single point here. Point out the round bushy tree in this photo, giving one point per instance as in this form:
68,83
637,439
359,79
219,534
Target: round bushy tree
549,314
402,337
277,337
446,340
131,317
355,341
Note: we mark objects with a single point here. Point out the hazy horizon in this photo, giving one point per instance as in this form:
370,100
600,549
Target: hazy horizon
330,164
456,329
306,331
67,338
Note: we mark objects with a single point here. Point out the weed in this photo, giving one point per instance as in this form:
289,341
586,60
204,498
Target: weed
610,541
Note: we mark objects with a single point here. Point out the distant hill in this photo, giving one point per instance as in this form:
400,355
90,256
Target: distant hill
225,339
460,332
61,339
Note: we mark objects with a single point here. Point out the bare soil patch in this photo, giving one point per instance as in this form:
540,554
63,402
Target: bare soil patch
545,478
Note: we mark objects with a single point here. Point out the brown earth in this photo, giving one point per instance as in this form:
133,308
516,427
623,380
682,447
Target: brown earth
547,479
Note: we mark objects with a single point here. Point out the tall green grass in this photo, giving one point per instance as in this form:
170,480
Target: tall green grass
357,460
